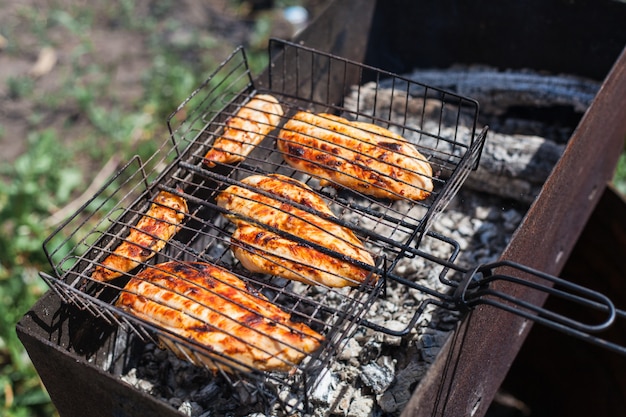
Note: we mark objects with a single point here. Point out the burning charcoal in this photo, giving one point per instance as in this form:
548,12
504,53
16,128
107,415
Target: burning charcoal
431,344
141,384
245,393
512,218
395,325
361,406
378,377
484,213
352,349
175,402
190,409
342,398
487,233
371,351
325,385
465,227
291,403
398,394
206,393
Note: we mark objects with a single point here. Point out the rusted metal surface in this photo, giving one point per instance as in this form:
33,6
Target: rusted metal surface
468,372
68,348
595,376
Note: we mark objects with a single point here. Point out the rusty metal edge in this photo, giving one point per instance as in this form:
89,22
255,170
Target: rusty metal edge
76,383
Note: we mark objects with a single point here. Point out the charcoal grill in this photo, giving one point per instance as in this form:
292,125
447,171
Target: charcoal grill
189,140
391,230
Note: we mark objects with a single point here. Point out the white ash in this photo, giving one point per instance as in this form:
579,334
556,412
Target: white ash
378,376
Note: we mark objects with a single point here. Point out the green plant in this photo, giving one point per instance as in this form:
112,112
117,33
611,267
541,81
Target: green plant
38,182
620,174
20,86
167,83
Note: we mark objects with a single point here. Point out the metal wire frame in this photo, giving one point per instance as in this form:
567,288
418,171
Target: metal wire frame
390,230
307,86
75,286
225,370
322,81
478,288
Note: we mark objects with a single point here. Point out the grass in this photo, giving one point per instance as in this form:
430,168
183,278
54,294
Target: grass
24,207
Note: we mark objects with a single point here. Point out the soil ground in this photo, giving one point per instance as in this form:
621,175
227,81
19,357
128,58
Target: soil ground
41,41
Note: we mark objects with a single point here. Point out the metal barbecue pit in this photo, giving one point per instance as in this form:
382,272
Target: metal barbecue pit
303,79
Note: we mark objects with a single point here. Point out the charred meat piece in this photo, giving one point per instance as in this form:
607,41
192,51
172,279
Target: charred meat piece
245,130
342,259
149,236
360,156
262,251
215,309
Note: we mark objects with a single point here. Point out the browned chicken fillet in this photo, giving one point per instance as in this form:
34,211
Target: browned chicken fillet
245,130
264,251
214,308
149,236
357,155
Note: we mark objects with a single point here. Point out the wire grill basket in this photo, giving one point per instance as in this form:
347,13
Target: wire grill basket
389,229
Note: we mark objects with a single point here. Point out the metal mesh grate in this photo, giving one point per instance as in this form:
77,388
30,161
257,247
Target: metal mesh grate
389,229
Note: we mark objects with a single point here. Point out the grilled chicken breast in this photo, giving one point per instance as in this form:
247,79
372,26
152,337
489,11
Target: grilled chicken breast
313,248
149,236
262,251
214,308
356,155
245,130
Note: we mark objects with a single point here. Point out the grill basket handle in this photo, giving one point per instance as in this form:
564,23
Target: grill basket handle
477,289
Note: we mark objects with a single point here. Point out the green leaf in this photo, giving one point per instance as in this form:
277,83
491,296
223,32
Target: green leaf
69,180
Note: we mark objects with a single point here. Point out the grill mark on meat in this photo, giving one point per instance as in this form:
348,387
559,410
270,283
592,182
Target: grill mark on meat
146,238
245,130
203,328
296,150
392,146
251,319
